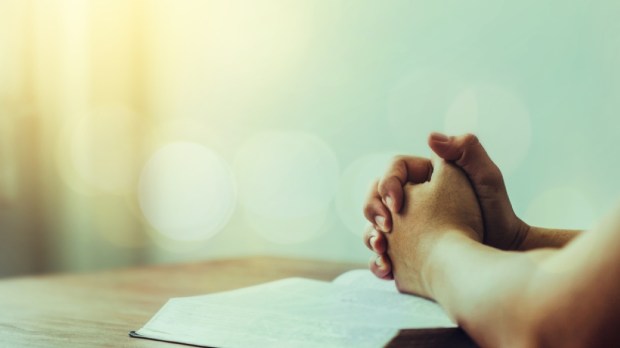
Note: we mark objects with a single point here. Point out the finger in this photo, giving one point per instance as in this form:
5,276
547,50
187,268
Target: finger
376,212
467,152
375,241
385,259
369,234
380,266
378,244
403,169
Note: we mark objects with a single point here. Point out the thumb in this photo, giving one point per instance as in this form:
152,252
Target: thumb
467,152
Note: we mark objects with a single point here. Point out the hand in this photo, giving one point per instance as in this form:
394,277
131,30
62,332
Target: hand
446,204
504,230
411,169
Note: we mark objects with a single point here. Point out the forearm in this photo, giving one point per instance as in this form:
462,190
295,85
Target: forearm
481,288
551,297
539,237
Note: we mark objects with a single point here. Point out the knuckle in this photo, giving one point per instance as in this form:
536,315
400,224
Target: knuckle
368,212
389,184
375,207
398,160
383,186
470,139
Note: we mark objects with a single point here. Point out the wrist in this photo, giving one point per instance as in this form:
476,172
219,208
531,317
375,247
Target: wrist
433,269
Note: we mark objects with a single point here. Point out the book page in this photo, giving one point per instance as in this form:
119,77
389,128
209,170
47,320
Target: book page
363,278
293,312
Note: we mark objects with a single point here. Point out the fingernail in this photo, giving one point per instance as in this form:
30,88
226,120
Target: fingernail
390,203
439,137
371,241
379,262
380,220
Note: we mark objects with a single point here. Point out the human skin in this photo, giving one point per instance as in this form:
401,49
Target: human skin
564,297
503,229
567,295
444,204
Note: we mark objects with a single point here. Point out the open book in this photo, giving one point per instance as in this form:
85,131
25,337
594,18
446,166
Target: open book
355,310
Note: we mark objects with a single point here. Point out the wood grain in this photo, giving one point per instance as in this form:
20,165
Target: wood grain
99,309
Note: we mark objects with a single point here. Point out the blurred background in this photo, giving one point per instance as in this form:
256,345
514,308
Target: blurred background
137,132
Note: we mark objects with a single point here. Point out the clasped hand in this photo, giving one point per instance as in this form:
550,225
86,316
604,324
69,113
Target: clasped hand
419,201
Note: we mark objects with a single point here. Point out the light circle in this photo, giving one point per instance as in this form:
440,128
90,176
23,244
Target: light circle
187,192
286,177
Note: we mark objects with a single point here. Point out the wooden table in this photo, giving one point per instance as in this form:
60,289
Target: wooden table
99,309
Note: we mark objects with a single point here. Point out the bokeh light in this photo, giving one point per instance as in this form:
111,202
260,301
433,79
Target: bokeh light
285,177
354,187
498,117
90,90
187,192
561,207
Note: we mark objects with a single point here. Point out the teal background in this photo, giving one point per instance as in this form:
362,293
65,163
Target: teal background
314,95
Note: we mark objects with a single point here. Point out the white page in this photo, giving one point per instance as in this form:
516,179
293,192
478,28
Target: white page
292,312
363,278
